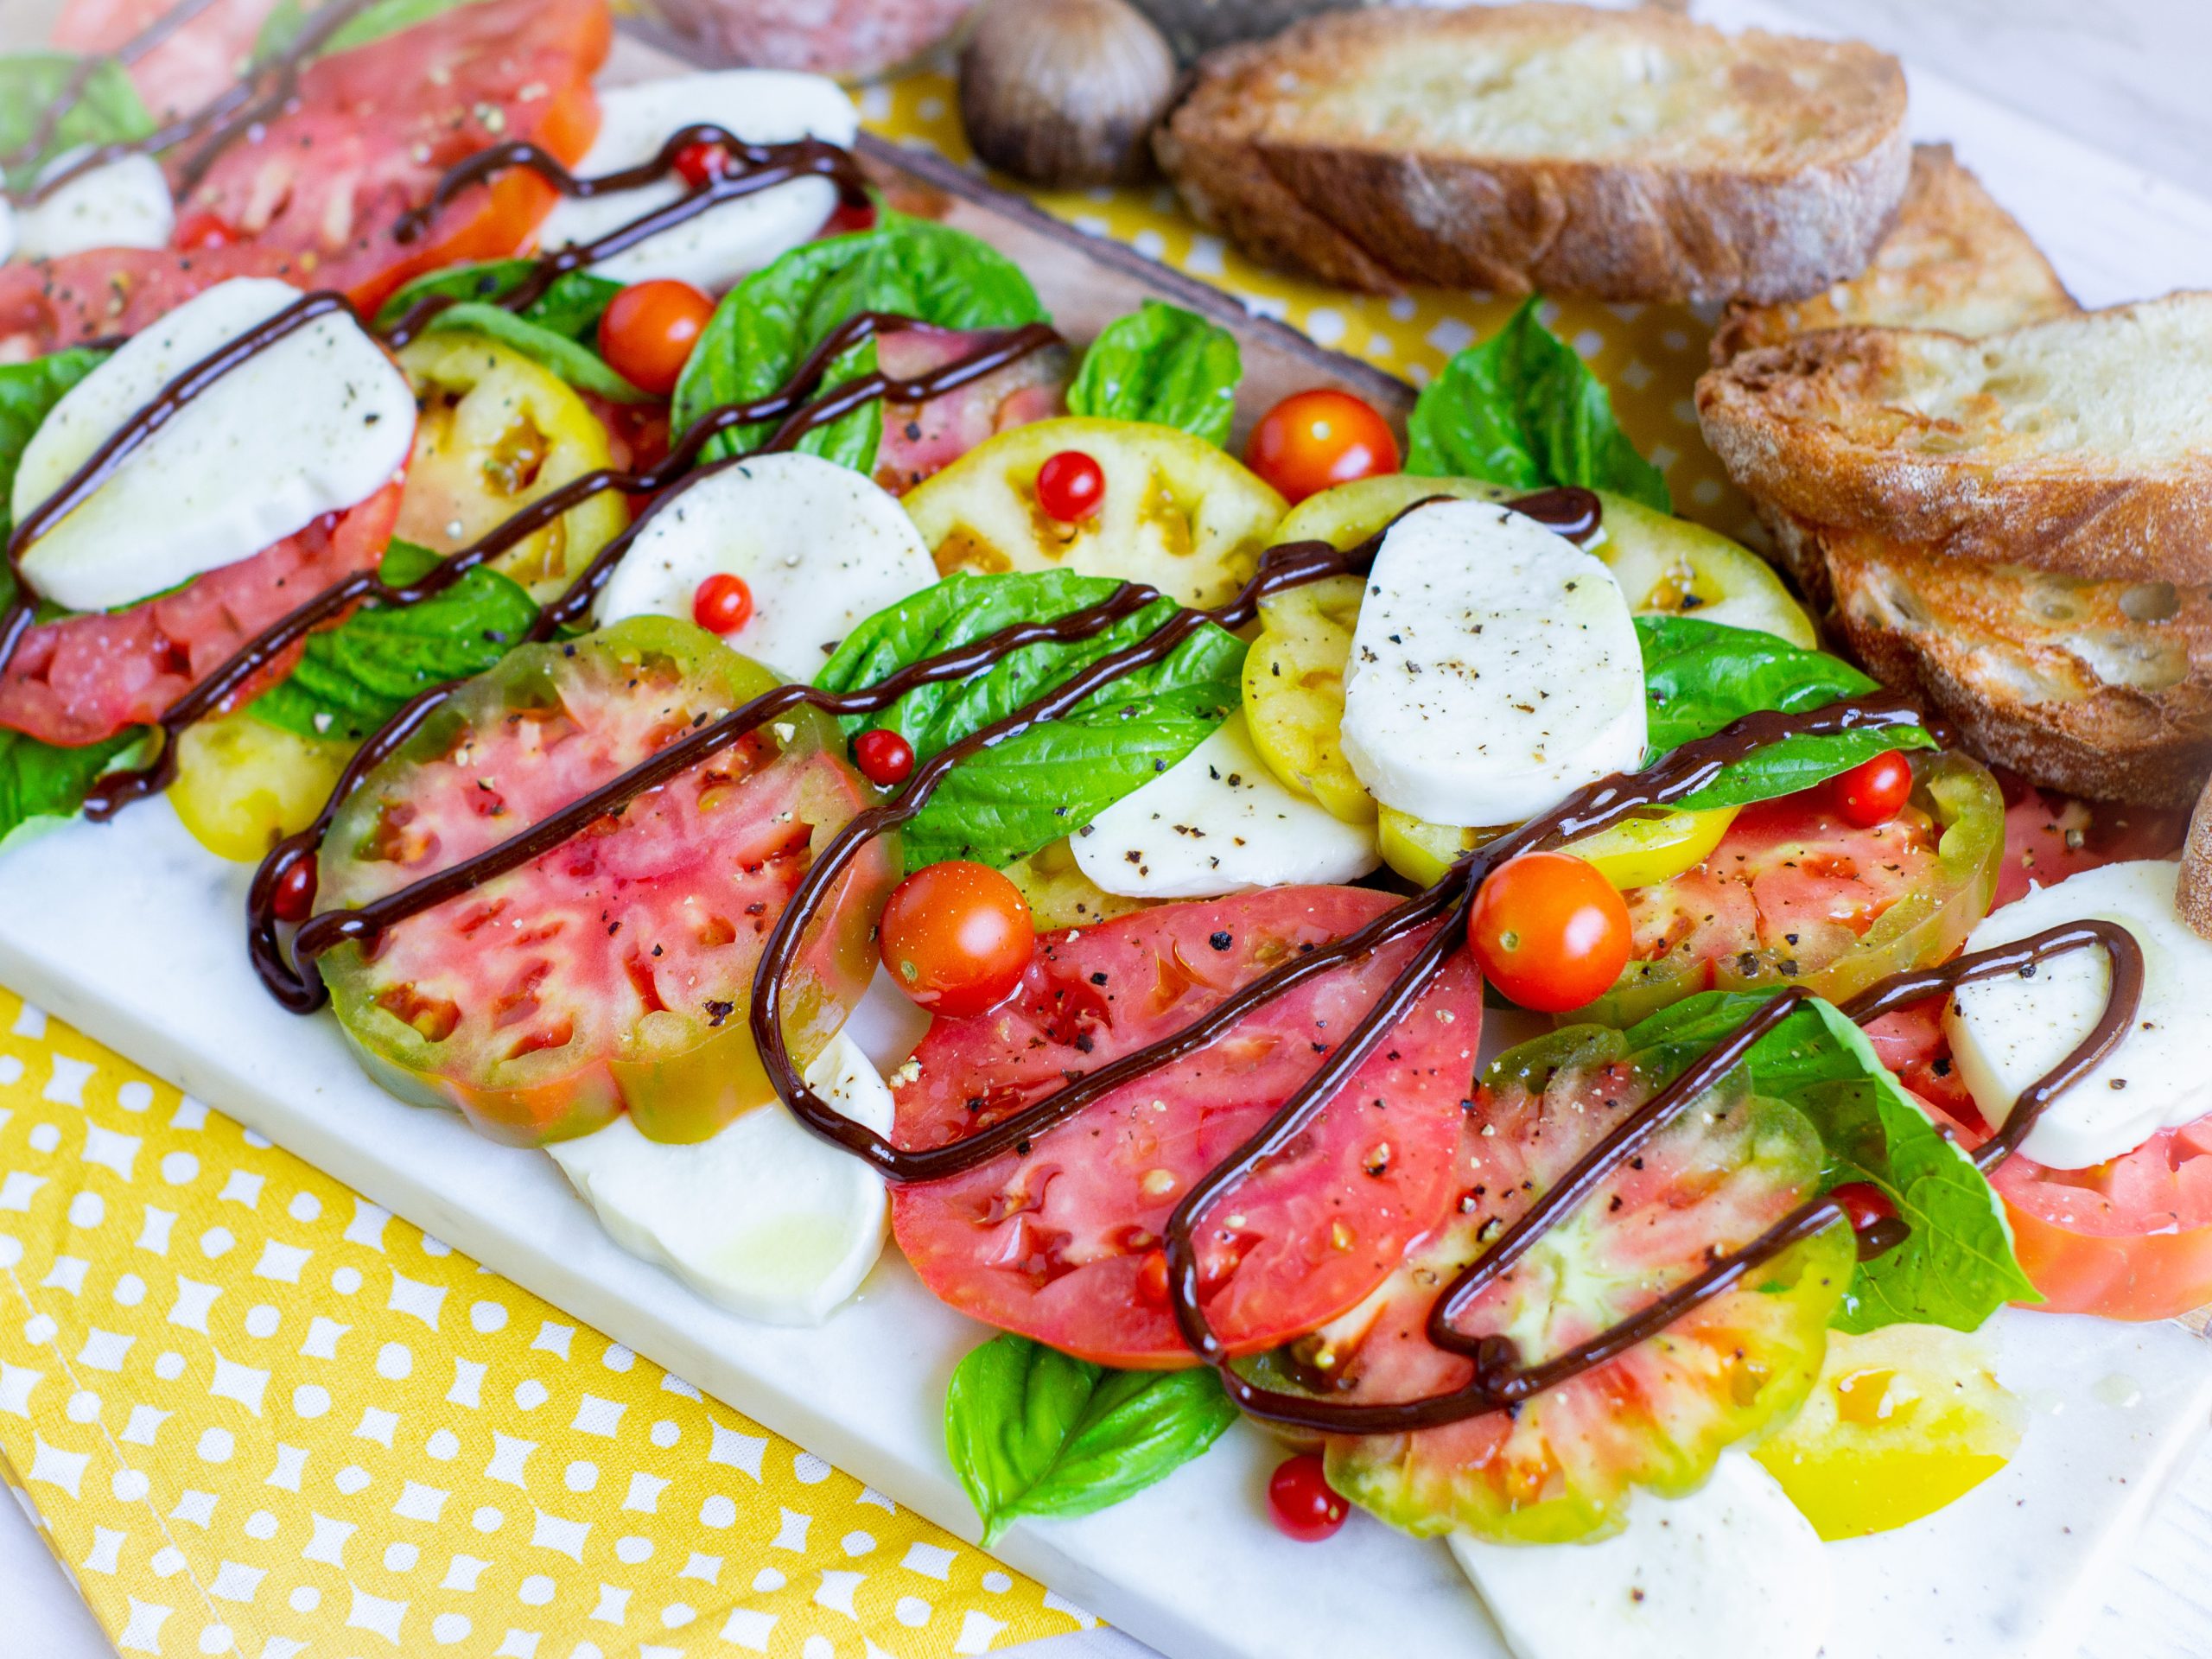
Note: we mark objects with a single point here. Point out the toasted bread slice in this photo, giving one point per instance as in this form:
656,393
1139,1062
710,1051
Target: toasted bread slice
2195,895
1955,261
2082,445
2100,689
1631,156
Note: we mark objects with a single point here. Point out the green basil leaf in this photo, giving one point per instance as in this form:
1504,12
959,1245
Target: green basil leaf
1033,1433
106,111
1700,675
1956,1265
352,678
1164,365
1522,408
578,365
765,328
282,26
1006,803
44,780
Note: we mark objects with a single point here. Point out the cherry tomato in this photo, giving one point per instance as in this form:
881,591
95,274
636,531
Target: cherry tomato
1304,1506
1071,486
1864,1204
196,232
294,898
648,330
1312,440
723,604
956,937
1873,792
884,757
850,216
700,164
1550,931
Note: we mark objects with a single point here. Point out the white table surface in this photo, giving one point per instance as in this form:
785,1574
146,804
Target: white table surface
2127,75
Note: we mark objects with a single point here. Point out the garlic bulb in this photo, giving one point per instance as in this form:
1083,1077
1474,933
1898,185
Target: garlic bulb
1064,91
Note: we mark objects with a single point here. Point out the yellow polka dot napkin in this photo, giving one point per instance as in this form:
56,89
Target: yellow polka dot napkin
257,1416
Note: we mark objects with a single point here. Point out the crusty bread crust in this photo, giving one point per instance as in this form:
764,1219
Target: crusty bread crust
1955,261
1934,440
2193,894
1344,148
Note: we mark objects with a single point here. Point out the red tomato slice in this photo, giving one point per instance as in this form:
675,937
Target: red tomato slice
85,677
1051,1242
47,305
2050,837
614,972
921,439
195,66
373,128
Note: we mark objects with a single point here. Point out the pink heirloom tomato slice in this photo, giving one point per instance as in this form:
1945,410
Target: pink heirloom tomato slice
615,972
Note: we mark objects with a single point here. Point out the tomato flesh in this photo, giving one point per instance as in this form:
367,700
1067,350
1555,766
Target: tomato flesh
648,330
1053,1241
49,305
1314,440
614,973
920,440
2050,837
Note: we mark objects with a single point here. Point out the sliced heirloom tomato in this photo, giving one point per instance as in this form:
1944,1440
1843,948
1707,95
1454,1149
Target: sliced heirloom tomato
81,678
921,439
2050,837
1053,1240
1793,895
49,305
1564,1464
373,129
614,972
497,432
242,787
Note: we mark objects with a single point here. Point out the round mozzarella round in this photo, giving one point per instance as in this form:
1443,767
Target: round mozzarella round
1494,669
713,249
122,203
314,423
2006,1034
821,547
765,1219
1218,822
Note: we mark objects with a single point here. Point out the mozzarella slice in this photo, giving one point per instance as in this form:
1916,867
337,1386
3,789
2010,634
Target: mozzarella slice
713,249
124,204
1218,822
764,1219
314,423
822,548
1494,669
2005,1033
7,230
1731,1572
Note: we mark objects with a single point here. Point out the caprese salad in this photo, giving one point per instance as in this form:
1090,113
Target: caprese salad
634,598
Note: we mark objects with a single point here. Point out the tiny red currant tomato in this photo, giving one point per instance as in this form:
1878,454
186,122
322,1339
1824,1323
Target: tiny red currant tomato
1071,486
849,217
884,757
723,604
1864,1203
701,163
1304,1506
294,898
1872,792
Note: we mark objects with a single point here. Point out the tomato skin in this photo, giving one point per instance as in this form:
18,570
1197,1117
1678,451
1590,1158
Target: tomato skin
1303,1504
884,758
848,218
1864,1204
648,330
1549,931
1312,440
700,164
1873,792
1071,486
956,937
723,603
294,900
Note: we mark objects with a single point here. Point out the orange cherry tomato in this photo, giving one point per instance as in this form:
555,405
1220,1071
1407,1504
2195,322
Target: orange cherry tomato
957,937
1315,440
648,330
1549,931
1873,792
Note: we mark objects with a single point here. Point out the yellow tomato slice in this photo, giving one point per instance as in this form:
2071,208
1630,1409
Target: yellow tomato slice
1177,512
1903,1421
243,786
496,433
1059,894
1670,566
1633,854
1295,692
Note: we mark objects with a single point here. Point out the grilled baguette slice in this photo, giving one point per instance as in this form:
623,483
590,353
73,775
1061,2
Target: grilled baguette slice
1955,261
2082,445
1631,156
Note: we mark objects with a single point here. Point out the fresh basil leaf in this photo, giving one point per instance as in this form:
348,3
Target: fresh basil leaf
1522,408
557,330
44,780
765,328
352,678
1956,1265
106,111
1164,365
1032,1433
282,26
1006,803
577,364
1700,675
